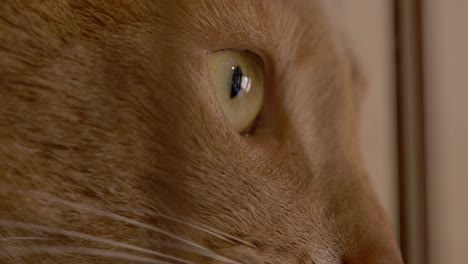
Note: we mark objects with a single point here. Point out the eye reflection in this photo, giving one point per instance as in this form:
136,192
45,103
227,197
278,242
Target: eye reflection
240,84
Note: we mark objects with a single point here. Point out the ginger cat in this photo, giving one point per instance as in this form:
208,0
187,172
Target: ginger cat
196,131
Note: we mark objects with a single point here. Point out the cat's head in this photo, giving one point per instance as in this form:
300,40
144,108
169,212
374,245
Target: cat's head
200,131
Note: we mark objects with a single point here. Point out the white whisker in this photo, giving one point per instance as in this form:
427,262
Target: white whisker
184,248
58,231
201,227
110,215
60,250
23,238
114,216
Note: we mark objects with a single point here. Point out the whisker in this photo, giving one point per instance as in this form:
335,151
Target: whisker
114,216
58,231
60,250
111,215
23,238
185,249
201,227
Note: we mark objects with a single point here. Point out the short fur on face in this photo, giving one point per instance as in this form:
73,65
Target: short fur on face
114,149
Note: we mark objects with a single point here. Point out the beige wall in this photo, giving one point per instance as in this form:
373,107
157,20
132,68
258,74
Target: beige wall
447,128
368,26
369,29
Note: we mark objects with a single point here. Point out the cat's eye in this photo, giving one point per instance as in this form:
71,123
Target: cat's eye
237,78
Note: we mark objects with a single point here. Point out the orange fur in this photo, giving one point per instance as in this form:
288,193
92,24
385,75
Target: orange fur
108,104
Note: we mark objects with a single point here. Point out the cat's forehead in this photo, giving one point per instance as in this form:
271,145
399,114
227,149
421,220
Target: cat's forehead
254,19
285,30
248,19
273,25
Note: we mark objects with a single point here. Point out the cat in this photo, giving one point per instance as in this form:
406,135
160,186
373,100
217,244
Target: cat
157,131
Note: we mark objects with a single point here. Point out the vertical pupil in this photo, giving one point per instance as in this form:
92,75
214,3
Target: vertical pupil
236,85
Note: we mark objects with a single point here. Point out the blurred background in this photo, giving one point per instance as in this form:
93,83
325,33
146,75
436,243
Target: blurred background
414,54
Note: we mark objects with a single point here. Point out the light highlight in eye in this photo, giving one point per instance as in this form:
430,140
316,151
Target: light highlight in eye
237,78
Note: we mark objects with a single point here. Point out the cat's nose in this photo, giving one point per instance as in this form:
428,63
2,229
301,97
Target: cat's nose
370,240
373,255
368,234
373,246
